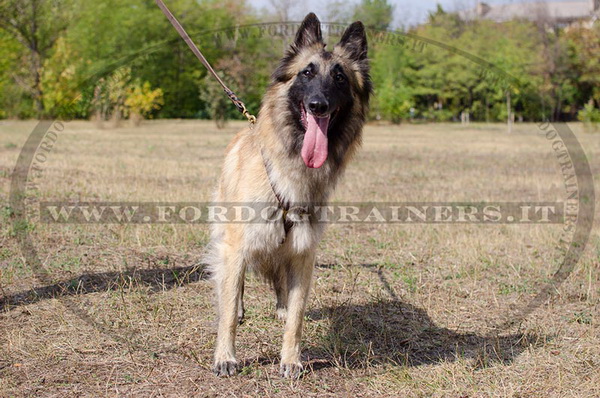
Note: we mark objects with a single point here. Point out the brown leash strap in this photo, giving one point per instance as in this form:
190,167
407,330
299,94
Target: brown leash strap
236,101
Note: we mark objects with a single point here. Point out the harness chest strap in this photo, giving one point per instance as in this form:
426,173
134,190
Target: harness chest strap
283,204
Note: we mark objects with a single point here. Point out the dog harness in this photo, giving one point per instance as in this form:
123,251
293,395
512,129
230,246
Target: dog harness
283,204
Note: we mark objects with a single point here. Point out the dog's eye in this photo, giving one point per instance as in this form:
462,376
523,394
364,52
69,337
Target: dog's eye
339,77
307,72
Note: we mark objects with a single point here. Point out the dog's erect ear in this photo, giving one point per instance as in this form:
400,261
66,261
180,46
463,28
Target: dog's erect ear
354,41
309,33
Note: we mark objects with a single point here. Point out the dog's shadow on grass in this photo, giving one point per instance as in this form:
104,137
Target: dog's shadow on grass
398,333
155,279
392,331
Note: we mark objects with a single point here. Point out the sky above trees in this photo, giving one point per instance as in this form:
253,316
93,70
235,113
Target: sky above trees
406,12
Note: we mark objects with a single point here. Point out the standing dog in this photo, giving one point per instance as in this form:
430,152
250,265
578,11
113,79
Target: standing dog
309,126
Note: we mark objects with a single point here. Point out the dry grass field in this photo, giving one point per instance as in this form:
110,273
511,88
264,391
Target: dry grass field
396,310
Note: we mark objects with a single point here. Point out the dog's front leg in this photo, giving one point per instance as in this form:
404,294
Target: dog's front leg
299,279
229,285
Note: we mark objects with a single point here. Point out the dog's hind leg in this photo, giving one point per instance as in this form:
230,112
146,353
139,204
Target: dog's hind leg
240,308
281,291
299,280
229,283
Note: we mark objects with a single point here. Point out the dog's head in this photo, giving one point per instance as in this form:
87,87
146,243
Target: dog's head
324,90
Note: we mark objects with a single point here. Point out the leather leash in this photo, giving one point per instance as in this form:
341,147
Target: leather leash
236,101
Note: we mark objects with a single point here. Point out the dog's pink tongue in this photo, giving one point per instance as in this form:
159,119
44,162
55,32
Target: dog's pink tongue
314,148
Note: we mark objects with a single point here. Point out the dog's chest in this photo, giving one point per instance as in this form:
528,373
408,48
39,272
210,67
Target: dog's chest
272,238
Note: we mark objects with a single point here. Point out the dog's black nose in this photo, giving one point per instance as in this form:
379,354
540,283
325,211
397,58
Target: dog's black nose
318,106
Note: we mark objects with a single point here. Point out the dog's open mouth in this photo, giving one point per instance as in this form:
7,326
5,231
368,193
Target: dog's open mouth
314,147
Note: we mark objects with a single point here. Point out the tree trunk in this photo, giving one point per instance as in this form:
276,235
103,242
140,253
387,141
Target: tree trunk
38,95
509,112
36,63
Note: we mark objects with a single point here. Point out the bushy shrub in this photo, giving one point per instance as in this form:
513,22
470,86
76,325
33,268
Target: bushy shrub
590,116
141,101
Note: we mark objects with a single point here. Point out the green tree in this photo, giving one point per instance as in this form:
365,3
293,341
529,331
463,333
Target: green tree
374,14
36,25
584,49
392,75
454,81
15,100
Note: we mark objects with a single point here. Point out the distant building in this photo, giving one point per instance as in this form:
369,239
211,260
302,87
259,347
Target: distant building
558,13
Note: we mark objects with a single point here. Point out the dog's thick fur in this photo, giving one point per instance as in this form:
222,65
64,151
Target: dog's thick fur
267,159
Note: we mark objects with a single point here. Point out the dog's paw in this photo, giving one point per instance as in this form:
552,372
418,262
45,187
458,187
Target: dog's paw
225,368
291,370
281,314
